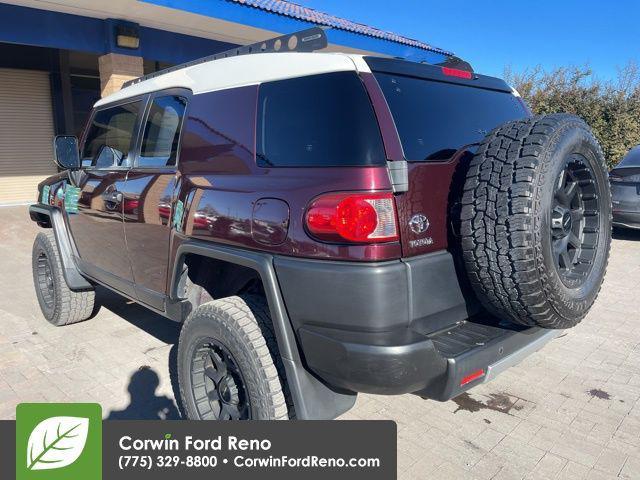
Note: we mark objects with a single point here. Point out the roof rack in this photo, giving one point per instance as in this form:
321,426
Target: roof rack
308,40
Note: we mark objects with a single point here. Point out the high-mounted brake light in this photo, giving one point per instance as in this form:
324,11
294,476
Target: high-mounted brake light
454,72
353,217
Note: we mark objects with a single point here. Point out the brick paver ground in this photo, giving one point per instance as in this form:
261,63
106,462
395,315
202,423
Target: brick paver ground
570,411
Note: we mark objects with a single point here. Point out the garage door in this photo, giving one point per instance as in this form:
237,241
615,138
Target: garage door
26,134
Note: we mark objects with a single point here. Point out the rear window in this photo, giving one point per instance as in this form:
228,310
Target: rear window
317,121
435,119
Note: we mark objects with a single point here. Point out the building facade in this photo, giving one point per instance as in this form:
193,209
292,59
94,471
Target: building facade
57,59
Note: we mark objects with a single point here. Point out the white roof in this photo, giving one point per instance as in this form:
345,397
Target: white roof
243,70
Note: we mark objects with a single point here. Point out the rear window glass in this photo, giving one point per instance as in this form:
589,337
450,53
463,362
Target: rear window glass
435,119
317,121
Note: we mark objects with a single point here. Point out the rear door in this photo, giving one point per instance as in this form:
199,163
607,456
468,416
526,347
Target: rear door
148,195
94,207
439,118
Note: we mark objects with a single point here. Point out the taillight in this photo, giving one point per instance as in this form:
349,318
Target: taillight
353,217
454,72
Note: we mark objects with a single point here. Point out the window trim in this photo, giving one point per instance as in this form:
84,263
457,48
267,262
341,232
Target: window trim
133,152
169,92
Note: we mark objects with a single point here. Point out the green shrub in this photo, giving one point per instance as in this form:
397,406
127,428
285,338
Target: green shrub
611,108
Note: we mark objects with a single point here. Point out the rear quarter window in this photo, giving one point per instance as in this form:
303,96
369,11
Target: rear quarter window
317,121
435,119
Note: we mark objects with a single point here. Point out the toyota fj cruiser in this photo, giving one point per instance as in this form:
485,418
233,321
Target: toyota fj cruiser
326,224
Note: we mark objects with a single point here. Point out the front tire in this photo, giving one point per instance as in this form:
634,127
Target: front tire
227,363
59,304
536,221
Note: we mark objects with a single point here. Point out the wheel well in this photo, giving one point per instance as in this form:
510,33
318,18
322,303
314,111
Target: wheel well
204,278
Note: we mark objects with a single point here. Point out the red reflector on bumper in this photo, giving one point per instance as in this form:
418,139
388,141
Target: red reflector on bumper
471,377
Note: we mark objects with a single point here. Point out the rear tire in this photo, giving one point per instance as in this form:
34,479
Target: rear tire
227,363
59,304
536,221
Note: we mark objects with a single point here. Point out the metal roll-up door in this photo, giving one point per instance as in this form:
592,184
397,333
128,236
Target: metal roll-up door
26,134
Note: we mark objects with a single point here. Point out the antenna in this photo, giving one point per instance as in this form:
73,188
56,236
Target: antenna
308,40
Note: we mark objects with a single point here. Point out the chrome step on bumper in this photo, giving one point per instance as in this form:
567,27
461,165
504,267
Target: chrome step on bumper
516,357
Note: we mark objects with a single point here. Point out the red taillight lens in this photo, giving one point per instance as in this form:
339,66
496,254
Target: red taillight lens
454,72
354,217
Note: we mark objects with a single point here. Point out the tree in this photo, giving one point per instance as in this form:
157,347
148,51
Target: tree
612,109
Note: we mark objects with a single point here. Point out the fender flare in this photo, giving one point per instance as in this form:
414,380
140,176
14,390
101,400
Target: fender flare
312,399
48,216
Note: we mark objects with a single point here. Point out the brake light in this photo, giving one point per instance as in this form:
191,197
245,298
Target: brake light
354,217
454,72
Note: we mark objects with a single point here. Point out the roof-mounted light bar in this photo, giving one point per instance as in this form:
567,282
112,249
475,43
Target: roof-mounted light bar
308,40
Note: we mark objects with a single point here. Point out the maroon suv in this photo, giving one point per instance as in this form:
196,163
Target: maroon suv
327,224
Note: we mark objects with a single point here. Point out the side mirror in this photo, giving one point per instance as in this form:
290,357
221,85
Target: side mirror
65,149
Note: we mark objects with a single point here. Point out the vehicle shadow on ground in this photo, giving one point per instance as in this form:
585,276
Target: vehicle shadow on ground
626,234
144,403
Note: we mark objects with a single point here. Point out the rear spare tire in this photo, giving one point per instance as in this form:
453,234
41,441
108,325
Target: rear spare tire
536,221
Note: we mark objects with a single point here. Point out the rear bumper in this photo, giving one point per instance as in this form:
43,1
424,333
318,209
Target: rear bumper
413,363
396,327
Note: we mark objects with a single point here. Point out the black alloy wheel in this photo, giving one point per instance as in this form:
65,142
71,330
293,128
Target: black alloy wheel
45,280
574,221
217,384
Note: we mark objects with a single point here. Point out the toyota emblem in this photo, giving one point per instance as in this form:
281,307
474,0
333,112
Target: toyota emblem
419,223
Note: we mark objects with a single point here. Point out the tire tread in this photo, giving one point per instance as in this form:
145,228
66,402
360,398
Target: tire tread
69,306
248,316
500,218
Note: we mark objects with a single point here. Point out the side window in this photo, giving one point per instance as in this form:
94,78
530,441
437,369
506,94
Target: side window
162,132
109,140
317,121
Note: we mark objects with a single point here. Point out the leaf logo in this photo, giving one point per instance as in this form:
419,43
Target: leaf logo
56,442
